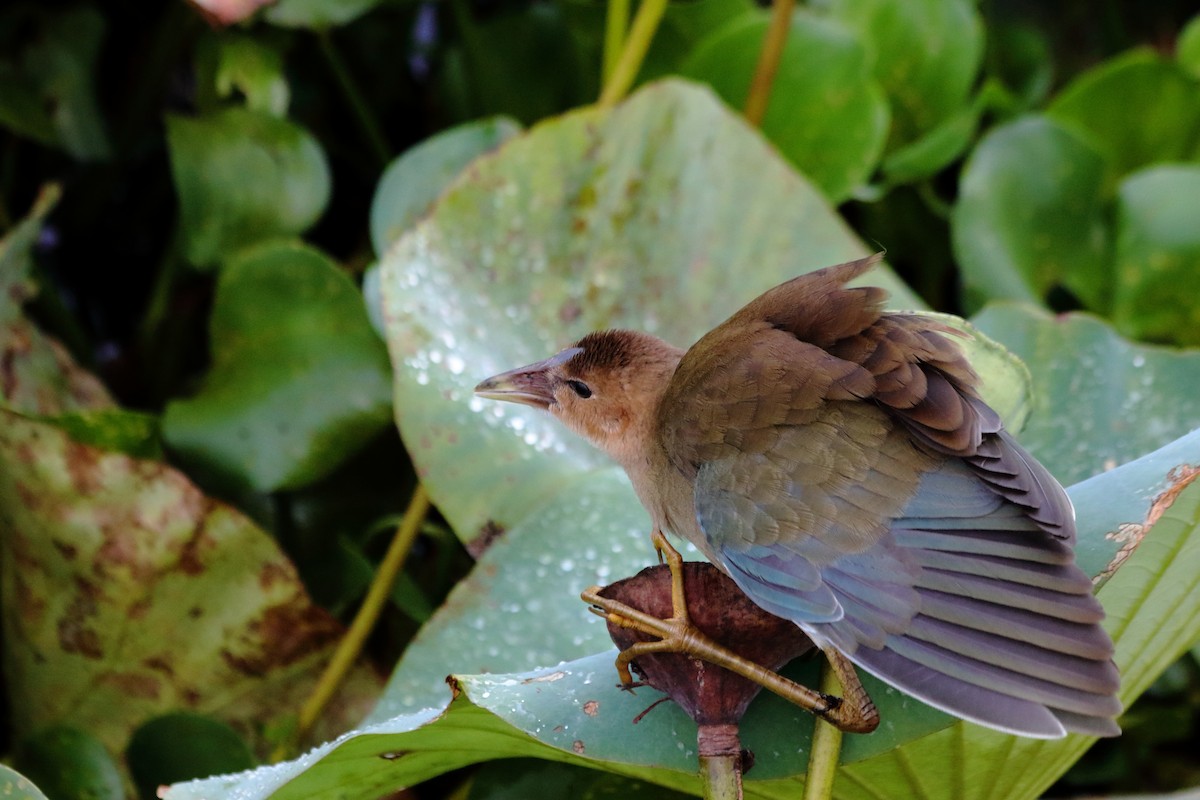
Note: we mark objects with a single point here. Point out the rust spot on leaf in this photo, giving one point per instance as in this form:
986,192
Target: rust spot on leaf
191,555
283,635
274,572
489,532
83,465
591,708
1130,534
159,664
74,634
130,685
577,746
68,551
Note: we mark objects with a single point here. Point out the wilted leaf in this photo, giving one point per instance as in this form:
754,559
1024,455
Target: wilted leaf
126,592
1030,215
827,113
243,177
299,381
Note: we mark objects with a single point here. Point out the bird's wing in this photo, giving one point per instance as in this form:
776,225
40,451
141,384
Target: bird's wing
856,485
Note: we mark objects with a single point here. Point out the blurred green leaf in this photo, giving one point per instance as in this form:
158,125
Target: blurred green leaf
1187,47
520,780
112,429
299,381
411,183
1030,216
827,114
67,764
249,66
47,77
926,56
317,14
243,177
1098,399
1020,56
1135,110
935,150
182,746
1157,253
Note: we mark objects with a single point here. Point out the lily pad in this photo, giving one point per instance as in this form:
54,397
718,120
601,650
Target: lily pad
1031,215
1157,252
17,786
243,177
1098,400
1138,109
827,113
299,379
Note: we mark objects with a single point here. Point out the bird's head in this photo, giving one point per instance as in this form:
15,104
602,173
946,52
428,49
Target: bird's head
605,387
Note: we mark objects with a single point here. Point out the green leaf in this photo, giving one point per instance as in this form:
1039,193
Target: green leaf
243,177
127,593
1099,400
1030,215
1157,253
1187,47
47,78
926,55
17,786
66,763
252,68
317,14
827,114
411,183
182,746
935,150
1135,110
112,429
299,381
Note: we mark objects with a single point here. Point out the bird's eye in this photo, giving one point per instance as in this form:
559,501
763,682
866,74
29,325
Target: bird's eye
580,388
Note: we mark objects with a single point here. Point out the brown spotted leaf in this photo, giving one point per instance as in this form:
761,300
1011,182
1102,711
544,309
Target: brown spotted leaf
127,592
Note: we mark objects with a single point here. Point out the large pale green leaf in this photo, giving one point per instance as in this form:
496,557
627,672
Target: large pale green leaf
1157,253
299,380
827,113
1030,215
665,215
412,182
243,177
1137,109
1099,400
17,786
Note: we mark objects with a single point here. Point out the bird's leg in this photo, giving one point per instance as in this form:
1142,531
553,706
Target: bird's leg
854,712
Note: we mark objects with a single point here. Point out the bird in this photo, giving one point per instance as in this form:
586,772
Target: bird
838,462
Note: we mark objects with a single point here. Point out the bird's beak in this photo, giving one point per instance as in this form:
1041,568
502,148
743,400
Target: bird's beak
530,385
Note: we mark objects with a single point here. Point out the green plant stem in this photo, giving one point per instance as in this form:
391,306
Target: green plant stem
616,22
826,747
768,61
351,644
720,751
358,103
641,33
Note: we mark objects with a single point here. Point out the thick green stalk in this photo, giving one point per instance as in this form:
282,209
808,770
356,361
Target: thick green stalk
645,23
